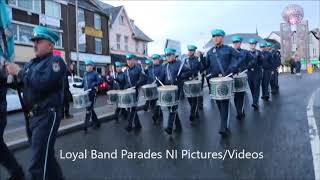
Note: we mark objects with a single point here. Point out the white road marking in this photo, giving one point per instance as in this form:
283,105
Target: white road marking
314,136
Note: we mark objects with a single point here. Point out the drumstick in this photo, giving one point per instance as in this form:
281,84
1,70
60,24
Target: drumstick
160,82
229,75
208,75
244,71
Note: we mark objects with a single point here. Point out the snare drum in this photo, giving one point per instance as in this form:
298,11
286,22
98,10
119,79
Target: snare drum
112,97
192,88
221,88
81,100
150,91
240,82
168,96
127,98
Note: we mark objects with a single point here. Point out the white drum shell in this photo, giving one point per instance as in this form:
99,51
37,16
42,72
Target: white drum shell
127,98
150,91
168,96
192,88
81,100
221,88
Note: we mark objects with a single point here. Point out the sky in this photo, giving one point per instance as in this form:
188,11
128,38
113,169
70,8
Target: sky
190,22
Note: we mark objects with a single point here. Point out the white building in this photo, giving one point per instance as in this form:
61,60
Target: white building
125,36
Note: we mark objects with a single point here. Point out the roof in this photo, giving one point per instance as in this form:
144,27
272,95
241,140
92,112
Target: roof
228,39
139,34
114,12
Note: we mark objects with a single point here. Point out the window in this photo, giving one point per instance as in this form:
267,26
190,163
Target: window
82,35
98,45
32,5
118,41
126,43
97,21
121,19
53,9
137,46
145,48
23,33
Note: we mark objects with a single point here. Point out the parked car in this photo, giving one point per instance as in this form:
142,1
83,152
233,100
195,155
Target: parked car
75,80
13,102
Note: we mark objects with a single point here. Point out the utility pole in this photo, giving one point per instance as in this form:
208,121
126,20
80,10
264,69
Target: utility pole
77,40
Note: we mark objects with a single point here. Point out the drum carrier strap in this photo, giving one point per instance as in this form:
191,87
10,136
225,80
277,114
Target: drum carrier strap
215,52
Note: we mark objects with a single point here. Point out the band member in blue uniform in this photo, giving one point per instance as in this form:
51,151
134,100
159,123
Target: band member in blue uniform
221,60
43,80
244,63
154,71
255,73
91,80
173,77
193,65
134,78
117,83
203,72
6,158
276,57
267,65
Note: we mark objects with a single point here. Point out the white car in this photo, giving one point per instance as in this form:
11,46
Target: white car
13,102
75,80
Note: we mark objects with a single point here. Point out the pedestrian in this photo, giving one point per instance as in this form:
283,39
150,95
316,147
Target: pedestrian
91,79
292,65
43,81
297,60
155,71
255,73
268,67
6,158
220,61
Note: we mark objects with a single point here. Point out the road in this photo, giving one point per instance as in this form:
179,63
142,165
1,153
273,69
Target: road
279,130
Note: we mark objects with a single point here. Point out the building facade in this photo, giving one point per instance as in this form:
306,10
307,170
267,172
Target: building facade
59,16
125,36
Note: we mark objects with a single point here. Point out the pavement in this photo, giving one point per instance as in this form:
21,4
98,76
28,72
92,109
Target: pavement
279,132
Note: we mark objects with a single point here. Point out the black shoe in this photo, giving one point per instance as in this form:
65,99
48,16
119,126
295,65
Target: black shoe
85,129
128,128
255,106
17,176
224,132
168,131
191,118
68,116
178,130
138,127
241,116
96,125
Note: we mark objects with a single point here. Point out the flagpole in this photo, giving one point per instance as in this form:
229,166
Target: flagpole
77,40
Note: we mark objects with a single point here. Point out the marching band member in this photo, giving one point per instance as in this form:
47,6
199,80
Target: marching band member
91,79
117,83
267,66
173,77
199,54
42,78
155,71
243,62
255,73
134,78
148,63
193,65
221,60
276,57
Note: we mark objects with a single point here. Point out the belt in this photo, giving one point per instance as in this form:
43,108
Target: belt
37,112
